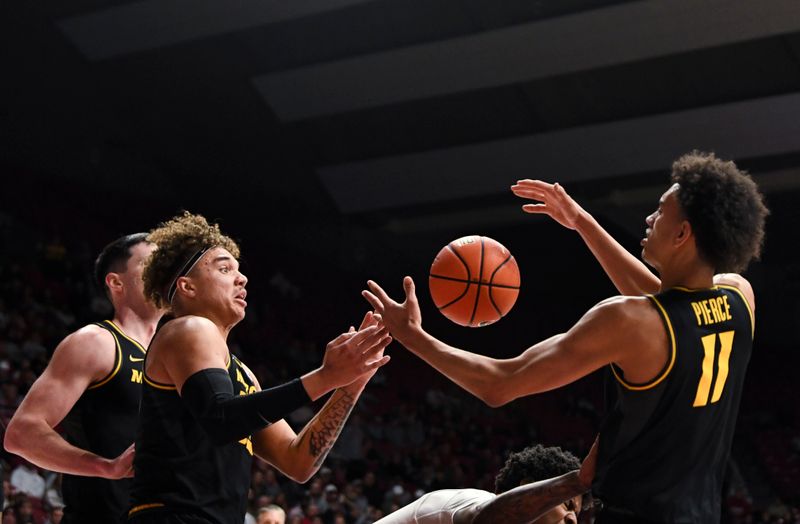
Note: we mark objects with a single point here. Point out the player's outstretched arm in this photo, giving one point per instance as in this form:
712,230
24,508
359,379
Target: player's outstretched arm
82,358
600,337
299,456
629,274
200,375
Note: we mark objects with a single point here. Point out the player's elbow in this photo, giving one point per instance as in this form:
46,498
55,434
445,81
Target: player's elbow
301,475
495,397
14,440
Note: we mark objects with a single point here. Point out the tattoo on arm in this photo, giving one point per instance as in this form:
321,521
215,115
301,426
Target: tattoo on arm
328,425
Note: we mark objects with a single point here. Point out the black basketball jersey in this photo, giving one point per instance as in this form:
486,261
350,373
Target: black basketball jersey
178,468
104,421
664,445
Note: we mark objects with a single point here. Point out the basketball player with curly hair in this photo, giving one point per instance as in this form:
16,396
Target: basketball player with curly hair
676,346
541,485
203,416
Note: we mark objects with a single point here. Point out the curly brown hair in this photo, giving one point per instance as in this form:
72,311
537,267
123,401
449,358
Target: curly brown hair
724,207
176,241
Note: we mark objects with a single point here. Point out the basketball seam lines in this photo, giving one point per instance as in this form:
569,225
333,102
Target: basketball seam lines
469,277
478,291
492,284
491,297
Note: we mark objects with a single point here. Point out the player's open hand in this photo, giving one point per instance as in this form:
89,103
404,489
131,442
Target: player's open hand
402,319
356,353
554,201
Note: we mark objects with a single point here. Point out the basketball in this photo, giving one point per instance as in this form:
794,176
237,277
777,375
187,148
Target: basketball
474,281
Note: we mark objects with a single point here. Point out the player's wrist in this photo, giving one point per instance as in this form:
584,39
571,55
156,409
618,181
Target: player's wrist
584,221
414,338
317,382
103,467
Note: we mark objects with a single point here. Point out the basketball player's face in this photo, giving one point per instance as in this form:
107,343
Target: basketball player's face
662,226
220,285
566,513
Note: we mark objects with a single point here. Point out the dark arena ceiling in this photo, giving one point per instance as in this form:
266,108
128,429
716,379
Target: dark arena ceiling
374,120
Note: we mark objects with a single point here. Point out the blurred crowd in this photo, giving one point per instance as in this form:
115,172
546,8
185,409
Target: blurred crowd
401,441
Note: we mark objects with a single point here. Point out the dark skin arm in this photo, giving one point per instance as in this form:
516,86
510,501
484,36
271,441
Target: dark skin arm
527,503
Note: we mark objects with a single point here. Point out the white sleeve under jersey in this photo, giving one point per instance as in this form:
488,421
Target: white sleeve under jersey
437,507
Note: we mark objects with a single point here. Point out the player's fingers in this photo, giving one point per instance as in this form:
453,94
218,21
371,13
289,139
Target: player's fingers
408,286
366,321
530,195
539,185
535,208
367,342
373,301
341,338
376,348
378,363
379,292
366,335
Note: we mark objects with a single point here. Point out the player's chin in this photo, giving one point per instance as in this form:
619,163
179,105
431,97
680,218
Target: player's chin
239,309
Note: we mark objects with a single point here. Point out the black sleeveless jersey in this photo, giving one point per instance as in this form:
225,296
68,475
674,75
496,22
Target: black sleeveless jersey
178,469
104,421
664,445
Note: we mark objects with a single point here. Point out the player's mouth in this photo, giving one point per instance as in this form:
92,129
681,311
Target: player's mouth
646,237
240,297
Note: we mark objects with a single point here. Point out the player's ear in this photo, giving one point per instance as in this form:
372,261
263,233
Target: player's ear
684,233
186,287
114,282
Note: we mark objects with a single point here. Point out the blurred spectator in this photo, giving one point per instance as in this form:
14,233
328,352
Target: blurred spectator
25,478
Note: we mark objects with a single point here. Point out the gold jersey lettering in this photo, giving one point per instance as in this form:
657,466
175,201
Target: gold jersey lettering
698,312
727,308
712,311
136,376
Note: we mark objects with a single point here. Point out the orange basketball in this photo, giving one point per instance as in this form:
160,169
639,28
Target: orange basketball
474,281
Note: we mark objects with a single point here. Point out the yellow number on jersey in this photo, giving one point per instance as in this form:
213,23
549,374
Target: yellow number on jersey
704,387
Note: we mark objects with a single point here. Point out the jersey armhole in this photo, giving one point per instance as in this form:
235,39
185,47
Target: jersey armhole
667,367
117,362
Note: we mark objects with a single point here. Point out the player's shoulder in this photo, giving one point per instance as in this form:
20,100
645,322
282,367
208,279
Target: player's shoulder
188,331
188,326
91,335
91,349
624,308
738,282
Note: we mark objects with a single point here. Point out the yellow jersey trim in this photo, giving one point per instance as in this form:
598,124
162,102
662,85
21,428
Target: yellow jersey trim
690,290
159,385
656,381
122,333
142,507
114,372
747,305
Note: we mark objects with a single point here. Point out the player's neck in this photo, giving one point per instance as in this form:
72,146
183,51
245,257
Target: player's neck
184,309
692,276
139,327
